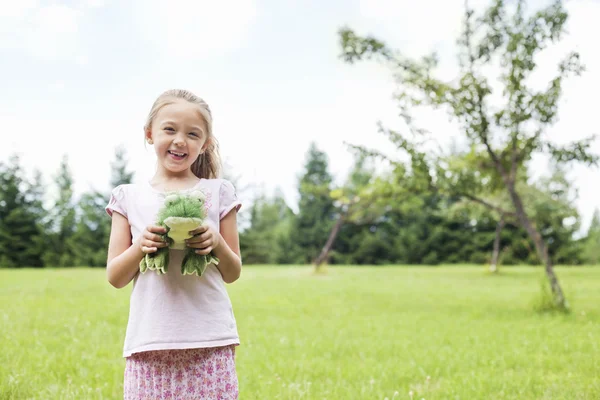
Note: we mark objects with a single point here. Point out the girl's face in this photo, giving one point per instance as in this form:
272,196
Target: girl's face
179,135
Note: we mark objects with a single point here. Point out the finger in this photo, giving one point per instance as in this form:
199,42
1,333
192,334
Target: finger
151,243
201,245
201,229
153,237
147,249
205,251
156,229
199,238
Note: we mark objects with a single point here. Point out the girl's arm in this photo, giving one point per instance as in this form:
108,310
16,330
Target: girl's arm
228,250
123,256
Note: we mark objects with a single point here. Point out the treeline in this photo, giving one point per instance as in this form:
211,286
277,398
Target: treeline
394,225
62,231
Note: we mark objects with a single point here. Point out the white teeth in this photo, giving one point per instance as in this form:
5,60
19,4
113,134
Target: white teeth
177,154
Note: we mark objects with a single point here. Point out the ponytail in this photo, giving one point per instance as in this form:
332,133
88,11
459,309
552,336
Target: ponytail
208,164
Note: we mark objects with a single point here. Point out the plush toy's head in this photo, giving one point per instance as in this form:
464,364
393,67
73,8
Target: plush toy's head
181,214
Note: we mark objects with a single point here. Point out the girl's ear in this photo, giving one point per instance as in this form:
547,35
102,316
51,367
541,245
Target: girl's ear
148,134
206,145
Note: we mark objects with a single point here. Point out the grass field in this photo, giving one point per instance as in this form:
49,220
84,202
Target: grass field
354,333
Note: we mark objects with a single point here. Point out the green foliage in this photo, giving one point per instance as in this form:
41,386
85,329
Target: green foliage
591,243
316,209
390,218
267,240
509,133
89,242
119,173
20,213
62,220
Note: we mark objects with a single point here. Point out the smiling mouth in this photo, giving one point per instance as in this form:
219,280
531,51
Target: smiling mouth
177,154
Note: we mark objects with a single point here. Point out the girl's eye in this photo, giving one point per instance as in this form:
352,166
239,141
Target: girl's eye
194,134
168,128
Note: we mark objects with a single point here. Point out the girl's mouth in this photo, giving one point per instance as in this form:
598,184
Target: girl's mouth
176,154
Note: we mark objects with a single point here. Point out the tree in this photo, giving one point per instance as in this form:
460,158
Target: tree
20,213
89,241
353,200
316,211
509,133
591,249
119,173
264,241
62,220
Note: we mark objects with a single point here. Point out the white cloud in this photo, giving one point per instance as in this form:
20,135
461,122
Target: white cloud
265,128
193,28
46,32
17,9
95,3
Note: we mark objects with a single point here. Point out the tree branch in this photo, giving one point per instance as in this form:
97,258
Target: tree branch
373,153
500,210
575,151
514,156
497,162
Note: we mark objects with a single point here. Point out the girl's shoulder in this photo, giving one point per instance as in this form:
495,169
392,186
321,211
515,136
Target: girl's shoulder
222,184
129,189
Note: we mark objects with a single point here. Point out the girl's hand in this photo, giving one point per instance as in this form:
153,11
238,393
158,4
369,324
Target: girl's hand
204,239
151,241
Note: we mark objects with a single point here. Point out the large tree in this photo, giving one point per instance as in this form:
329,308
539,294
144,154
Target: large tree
353,204
510,132
591,243
316,211
62,219
20,215
89,241
119,171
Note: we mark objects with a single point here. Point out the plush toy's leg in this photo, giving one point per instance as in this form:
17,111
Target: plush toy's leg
210,259
143,265
161,260
193,263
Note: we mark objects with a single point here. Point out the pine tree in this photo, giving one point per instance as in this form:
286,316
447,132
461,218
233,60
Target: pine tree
89,241
119,173
316,210
20,211
591,249
62,220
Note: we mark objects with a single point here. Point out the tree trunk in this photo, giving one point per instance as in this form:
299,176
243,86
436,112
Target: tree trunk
540,246
497,239
329,244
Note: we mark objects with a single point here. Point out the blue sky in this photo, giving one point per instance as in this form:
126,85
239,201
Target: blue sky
78,78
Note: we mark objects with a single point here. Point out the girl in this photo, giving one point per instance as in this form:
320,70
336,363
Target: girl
181,334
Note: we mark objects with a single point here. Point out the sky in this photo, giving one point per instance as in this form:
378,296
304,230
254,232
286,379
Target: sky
79,77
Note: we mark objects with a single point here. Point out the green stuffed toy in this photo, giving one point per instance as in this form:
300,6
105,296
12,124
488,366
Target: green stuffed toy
180,214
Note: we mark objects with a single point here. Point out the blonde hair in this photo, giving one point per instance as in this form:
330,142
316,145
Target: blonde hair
208,164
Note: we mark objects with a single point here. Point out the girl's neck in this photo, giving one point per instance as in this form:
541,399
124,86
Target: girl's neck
170,182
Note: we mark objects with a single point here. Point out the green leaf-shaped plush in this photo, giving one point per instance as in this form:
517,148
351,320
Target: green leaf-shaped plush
180,214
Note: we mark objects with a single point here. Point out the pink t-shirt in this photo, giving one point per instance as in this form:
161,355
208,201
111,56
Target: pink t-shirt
175,311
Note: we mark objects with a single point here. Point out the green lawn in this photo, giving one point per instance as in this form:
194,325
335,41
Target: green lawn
354,333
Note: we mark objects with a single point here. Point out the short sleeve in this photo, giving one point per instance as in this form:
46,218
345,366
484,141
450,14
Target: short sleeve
228,199
117,201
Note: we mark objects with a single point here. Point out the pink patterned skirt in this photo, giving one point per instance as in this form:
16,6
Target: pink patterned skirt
207,373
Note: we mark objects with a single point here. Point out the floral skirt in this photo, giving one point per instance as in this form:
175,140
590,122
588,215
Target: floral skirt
207,373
